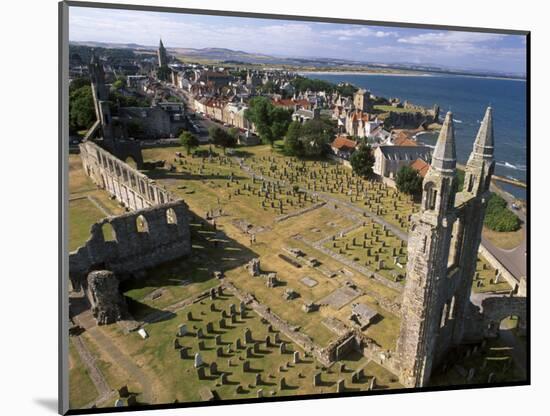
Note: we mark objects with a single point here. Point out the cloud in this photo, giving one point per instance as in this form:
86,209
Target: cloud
359,32
450,39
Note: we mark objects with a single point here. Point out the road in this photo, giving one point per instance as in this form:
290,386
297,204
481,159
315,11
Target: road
515,260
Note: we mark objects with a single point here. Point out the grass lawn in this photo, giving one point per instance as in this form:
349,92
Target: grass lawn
504,240
388,108
179,379
82,214
81,388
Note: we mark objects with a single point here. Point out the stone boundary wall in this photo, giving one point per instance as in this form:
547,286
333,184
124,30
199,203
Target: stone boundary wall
352,265
300,212
130,187
493,261
140,240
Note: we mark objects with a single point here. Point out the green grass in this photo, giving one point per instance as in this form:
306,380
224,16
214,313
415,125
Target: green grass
179,379
82,214
389,108
81,388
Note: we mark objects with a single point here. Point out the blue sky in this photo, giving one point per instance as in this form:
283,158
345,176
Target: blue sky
465,50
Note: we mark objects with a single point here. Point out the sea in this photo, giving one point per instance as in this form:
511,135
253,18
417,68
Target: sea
467,97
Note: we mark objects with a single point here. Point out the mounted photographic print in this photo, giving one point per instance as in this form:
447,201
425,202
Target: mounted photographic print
265,208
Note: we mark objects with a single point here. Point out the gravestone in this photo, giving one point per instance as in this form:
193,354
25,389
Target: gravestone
282,383
247,336
199,333
296,357
267,341
249,353
223,378
198,360
259,393
209,327
182,330
218,339
282,348
221,323
183,353
119,403
219,352
132,400
201,373
340,386
257,379
201,345
177,345
238,344
213,368
317,379
246,366
123,391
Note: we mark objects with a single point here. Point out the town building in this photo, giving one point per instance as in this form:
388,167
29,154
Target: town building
389,159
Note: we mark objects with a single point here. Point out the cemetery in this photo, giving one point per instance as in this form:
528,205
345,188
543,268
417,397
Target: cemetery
309,243
221,346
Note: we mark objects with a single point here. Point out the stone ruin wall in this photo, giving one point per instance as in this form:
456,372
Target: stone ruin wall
130,187
141,239
495,308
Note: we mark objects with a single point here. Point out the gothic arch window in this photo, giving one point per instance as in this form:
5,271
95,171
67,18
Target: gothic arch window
443,316
171,216
108,232
430,196
141,224
452,308
470,182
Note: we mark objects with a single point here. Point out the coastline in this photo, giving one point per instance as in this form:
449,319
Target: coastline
407,74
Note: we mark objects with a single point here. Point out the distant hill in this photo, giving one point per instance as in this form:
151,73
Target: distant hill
224,55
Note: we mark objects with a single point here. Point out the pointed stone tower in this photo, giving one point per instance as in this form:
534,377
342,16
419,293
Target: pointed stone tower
428,247
444,239
481,165
162,57
100,94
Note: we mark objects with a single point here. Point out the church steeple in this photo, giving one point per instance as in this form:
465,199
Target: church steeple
161,53
481,165
444,155
484,143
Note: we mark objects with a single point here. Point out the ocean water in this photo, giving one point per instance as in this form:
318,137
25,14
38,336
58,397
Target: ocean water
467,98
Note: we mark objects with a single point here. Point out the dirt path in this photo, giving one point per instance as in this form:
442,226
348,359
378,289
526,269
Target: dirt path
101,385
120,358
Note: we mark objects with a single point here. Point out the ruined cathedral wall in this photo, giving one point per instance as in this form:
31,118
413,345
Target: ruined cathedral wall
130,187
133,242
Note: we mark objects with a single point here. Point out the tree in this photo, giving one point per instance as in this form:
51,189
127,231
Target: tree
315,136
271,122
408,181
498,217
188,141
221,138
362,160
292,144
81,109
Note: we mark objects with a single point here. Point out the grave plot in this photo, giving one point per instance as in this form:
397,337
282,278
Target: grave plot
218,181
373,247
487,279
332,178
213,349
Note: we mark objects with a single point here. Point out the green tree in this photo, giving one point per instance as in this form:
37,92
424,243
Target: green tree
271,122
81,109
408,181
315,136
498,217
188,140
292,144
221,138
362,160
